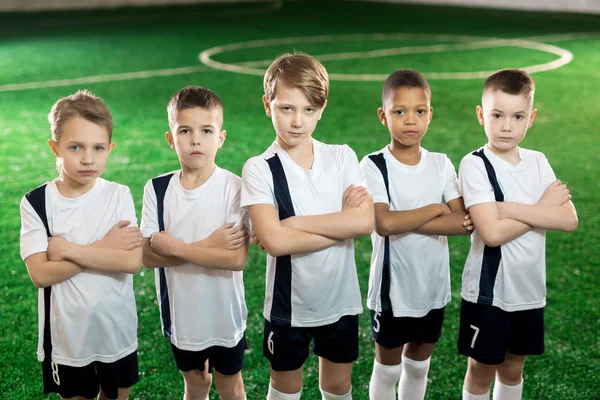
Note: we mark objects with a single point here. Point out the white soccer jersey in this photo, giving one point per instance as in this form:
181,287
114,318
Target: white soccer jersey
92,314
206,305
312,289
419,267
517,281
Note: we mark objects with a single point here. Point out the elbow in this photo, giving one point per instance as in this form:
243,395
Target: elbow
571,224
271,243
39,283
381,228
367,225
490,239
134,262
238,262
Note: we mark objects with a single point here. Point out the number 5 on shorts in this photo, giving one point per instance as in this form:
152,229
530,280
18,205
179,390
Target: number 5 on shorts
476,329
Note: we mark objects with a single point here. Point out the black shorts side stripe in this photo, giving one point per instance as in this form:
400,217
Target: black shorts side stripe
281,309
37,199
386,304
491,255
160,188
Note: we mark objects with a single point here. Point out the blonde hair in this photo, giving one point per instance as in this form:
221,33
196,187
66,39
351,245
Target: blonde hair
82,104
298,71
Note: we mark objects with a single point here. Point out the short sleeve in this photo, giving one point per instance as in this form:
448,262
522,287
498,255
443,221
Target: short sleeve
149,223
451,185
350,168
474,182
257,184
237,214
34,238
374,180
547,175
128,208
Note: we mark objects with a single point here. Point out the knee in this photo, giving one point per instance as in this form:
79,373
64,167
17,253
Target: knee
510,373
481,375
231,391
197,383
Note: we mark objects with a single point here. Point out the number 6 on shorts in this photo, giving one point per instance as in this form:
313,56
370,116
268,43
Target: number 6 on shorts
270,343
476,329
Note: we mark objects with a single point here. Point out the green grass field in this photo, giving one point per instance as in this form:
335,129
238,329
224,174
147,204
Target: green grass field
63,46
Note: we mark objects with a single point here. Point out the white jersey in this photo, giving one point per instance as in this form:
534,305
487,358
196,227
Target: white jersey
92,314
206,306
418,265
516,279
311,289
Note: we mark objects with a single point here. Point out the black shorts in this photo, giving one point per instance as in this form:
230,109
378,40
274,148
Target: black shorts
226,360
86,381
487,333
392,332
287,347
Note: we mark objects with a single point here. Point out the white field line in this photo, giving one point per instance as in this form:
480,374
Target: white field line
324,57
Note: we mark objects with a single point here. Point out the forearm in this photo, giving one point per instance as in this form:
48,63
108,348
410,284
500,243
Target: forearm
447,225
398,222
210,257
151,259
105,259
286,241
558,218
48,273
346,224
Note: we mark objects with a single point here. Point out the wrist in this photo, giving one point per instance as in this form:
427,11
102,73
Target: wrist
176,250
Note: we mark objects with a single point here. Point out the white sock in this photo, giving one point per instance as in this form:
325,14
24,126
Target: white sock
468,396
383,381
276,395
329,396
506,392
413,382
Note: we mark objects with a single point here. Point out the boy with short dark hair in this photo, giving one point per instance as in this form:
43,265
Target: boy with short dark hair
513,197
197,241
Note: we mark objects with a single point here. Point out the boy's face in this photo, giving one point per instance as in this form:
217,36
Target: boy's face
82,148
196,136
506,118
294,117
407,113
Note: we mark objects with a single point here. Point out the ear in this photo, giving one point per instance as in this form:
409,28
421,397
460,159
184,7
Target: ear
169,137
53,146
267,105
532,117
222,136
111,146
322,109
381,116
479,111
430,113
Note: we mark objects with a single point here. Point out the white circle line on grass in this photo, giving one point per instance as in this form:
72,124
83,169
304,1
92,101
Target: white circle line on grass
465,43
193,69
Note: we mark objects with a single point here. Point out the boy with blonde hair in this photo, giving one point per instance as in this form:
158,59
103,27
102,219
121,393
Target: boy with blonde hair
81,246
195,237
513,198
307,202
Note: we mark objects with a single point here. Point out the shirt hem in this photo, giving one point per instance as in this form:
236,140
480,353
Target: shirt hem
507,307
411,312
211,343
321,322
96,357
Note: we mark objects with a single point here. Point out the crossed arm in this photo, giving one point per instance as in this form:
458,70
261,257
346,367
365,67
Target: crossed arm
434,219
226,248
305,234
119,251
501,222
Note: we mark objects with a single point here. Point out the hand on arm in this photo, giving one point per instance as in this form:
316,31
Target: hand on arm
44,273
226,248
397,222
553,211
453,222
126,256
355,219
279,240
